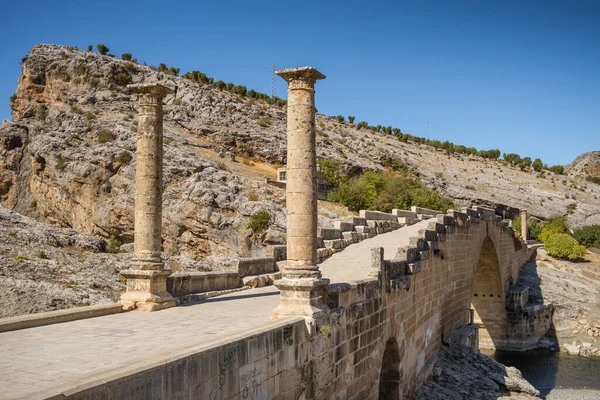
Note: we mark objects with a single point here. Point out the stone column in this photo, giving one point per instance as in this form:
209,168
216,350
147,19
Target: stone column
301,285
147,278
524,225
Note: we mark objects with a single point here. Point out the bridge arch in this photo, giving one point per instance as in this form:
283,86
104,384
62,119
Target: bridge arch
488,295
389,374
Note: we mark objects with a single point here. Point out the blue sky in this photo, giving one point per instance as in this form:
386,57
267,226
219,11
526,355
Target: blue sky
522,76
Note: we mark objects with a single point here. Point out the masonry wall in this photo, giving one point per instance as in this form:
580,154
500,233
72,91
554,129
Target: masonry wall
415,298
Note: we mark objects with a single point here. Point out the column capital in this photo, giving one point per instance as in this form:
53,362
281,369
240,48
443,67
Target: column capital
301,77
156,90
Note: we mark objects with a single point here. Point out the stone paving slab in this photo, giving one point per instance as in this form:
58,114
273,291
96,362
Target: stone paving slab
40,358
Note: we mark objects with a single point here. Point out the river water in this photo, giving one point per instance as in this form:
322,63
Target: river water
555,375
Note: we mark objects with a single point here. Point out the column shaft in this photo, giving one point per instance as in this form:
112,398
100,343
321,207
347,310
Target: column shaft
524,225
147,278
301,194
301,285
148,184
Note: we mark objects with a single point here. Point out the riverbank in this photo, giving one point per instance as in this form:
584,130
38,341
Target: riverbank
574,290
558,376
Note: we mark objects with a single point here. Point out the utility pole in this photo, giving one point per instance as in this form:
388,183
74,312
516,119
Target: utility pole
273,94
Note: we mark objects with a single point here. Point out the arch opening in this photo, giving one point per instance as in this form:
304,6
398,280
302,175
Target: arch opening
488,298
389,375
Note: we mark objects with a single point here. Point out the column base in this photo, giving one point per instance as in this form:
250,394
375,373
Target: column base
301,297
146,290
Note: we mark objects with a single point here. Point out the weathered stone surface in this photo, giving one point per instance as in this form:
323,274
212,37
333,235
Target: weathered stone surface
464,373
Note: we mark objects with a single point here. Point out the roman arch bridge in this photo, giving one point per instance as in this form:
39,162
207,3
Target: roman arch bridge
356,312
392,299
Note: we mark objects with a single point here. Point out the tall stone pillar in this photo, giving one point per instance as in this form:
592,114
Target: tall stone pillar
524,225
301,285
147,278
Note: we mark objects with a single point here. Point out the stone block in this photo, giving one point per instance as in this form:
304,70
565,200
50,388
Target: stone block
408,254
278,252
256,265
377,215
329,233
343,226
358,221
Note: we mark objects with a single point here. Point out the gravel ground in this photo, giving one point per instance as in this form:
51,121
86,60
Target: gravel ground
572,394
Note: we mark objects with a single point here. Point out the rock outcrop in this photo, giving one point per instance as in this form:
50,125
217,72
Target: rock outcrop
463,373
46,268
584,166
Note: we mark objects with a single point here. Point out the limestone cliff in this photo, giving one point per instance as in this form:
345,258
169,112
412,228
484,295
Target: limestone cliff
68,158
585,166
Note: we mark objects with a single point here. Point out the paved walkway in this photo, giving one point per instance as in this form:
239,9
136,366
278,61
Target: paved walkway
41,358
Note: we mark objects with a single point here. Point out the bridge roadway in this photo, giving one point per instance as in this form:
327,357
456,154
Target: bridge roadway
66,354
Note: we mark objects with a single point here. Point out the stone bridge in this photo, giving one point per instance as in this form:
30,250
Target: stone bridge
363,323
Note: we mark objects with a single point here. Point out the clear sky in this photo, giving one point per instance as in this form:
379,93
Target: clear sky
522,76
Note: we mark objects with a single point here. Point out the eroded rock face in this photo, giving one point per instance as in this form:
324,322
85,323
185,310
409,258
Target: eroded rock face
46,268
68,158
584,166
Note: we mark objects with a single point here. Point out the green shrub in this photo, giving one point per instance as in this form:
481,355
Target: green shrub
564,246
588,236
264,122
537,165
351,118
126,56
554,226
259,222
42,112
60,164
124,157
331,170
593,179
557,169
113,244
533,228
102,49
122,79
384,191
105,136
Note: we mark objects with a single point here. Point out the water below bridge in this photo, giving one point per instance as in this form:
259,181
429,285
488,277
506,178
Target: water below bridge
557,376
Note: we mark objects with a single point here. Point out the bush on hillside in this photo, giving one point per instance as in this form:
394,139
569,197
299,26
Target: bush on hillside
102,49
259,222
554,226
588,236
331,170
557,169
537,165
534,228
564,246
384,191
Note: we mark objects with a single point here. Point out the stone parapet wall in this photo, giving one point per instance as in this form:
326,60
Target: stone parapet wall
256,266
181,283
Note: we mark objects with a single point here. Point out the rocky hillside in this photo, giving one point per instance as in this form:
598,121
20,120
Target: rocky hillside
586,166
68,158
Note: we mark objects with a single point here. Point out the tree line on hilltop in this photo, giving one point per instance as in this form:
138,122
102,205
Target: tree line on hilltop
448,147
